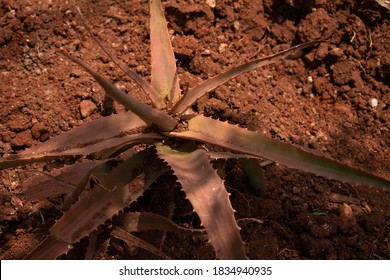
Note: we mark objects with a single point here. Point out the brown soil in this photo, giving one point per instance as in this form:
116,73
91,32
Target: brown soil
324,100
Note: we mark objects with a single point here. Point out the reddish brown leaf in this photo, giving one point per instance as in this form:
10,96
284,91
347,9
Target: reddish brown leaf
71,197
100,204
241,140
57,182
148,89
207,194
148,114
141,221
163,59
132,240
101,148
201,89
92,132
49,249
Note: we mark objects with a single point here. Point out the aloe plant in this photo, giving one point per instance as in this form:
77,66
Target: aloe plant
126,152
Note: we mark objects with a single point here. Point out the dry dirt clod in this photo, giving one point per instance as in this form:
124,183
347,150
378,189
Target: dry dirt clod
222,47
87,107
348,219
23,139
339,198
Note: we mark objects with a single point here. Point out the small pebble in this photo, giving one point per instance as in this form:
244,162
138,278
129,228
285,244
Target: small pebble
222,47
87,107
373,102
337,52
347,217
236,25
211,3
23,139
206,52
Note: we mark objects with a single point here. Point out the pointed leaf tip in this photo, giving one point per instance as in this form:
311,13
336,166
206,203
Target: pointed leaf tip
193,94
142,110
241,140
164,79
207,194
123,185
148,89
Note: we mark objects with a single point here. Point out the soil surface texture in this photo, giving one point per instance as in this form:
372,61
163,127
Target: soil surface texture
334,99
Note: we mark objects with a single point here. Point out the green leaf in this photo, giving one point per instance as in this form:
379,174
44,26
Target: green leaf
241,140
164,78
207,194
253,171
201,89
320,213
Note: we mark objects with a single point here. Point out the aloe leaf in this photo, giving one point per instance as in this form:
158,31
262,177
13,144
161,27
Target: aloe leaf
112,146
252,169
141,221
49,249
57,182
172,93
100,148
164,78
91,132
123,185
148,89
241,140
91,249
148,114
228,155
96,131
132,240
193,94
70,180
207,194
71,197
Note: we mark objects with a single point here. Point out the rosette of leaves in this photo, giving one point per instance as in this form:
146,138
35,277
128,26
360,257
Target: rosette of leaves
124,153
